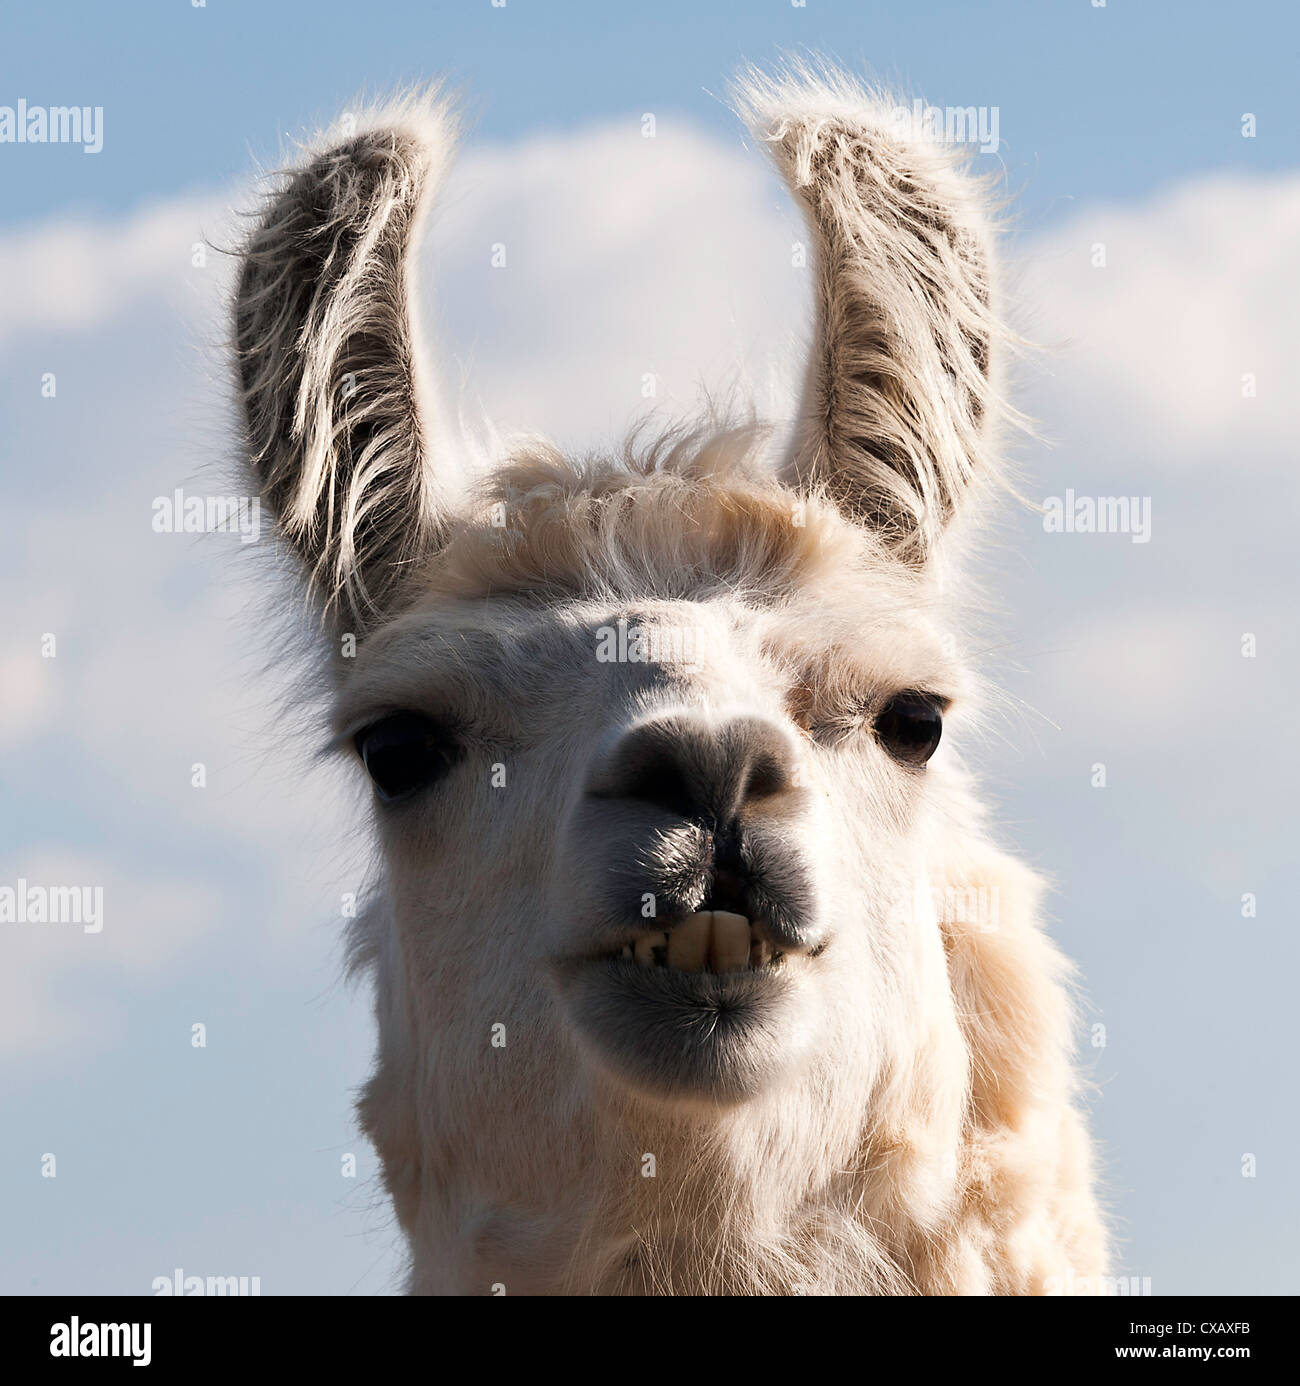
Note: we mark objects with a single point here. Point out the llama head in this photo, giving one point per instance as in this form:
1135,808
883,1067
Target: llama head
655,741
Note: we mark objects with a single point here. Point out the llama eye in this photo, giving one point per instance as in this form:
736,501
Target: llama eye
405,752
909,727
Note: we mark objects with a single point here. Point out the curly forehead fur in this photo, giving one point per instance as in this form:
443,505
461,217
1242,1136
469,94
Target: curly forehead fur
692,513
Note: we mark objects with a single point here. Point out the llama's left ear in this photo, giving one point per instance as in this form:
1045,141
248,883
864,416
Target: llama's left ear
897,403
329,364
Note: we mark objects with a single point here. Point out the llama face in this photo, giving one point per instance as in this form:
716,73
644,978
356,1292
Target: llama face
658,800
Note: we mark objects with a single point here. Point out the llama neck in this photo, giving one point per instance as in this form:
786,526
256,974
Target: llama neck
771,1199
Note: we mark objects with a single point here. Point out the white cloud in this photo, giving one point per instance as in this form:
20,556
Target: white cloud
147,924
25,702
1200,288
626,258
74,276
1161,671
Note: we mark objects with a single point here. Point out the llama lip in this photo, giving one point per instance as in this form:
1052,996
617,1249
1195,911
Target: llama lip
720,1037
701,1010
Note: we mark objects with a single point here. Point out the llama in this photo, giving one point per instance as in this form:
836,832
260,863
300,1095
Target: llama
683,983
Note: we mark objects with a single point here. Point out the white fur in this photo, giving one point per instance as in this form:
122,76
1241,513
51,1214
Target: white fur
916,1128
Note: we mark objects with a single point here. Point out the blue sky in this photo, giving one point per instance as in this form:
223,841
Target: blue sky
1121,126
1095,102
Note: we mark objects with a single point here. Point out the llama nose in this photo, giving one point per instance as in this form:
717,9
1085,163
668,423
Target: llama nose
714,774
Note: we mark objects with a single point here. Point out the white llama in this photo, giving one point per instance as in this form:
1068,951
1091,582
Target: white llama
682,982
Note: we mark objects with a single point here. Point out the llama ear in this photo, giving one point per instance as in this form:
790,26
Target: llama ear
329,362
898,397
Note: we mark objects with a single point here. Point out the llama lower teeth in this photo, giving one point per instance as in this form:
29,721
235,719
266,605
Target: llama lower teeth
645,948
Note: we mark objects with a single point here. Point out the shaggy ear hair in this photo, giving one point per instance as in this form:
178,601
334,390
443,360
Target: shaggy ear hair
329,364
898,397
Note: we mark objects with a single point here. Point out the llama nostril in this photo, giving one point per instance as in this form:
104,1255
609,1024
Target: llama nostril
767,776
661,783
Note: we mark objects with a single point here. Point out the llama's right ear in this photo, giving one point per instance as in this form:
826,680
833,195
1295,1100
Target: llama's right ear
329,363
